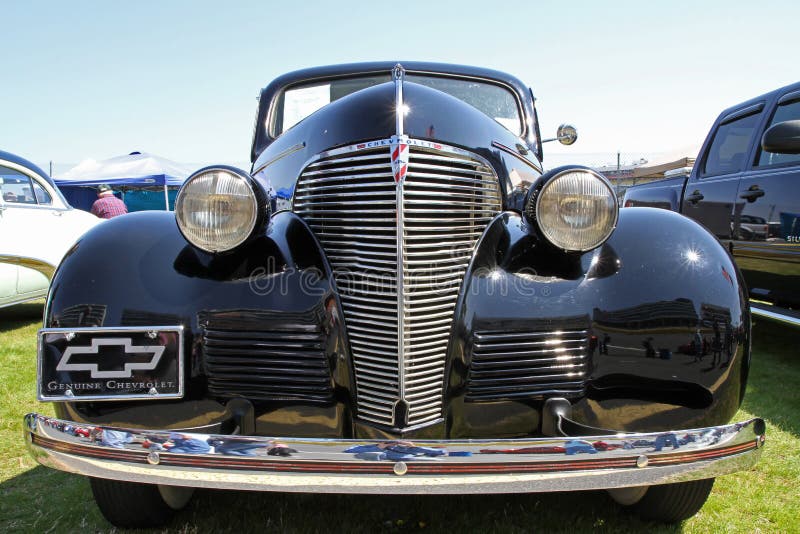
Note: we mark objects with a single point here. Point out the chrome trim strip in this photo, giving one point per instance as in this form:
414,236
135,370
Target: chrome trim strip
36,264
48,207
444,466
29,297
515,154
767,312
398,74
109,330
291,150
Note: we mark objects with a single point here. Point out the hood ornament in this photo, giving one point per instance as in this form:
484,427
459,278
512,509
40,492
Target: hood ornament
398,73
399,141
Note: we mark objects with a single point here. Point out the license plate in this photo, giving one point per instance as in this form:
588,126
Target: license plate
77,364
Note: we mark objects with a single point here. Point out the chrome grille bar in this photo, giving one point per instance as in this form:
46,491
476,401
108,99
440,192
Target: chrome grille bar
399,252
531,364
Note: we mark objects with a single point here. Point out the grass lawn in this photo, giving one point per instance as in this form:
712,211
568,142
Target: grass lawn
765,499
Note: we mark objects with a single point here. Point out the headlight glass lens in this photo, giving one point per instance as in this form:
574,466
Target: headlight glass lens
216,210
577,210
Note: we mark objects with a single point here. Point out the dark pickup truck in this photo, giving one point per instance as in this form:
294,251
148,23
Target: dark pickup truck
745,188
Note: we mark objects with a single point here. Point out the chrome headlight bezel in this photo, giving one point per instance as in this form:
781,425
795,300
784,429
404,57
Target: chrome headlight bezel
254,202
558,236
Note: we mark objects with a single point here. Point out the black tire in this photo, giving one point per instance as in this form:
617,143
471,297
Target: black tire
671,503
132,505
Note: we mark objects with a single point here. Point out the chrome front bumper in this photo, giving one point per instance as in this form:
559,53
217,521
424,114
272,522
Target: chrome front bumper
396,467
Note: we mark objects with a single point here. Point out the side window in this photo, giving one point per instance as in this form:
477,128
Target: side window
730,145
785,112
42,196
15,187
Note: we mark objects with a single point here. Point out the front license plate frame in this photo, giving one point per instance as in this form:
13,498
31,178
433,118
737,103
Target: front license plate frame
110,363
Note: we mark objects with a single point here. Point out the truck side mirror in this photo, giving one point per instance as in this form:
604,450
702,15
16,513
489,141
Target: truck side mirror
782,138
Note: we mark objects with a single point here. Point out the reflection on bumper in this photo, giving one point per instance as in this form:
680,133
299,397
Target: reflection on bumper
363,466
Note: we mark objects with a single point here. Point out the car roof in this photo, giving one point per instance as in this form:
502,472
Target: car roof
332,71
22,162
269,92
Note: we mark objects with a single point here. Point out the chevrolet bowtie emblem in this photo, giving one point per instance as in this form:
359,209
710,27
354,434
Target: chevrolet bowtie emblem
130,349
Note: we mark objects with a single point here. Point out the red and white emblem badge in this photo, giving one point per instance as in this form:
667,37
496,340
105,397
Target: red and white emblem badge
399,149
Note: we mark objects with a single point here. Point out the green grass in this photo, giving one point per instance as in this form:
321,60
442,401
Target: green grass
764,499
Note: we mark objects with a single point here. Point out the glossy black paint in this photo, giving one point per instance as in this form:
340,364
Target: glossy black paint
664,194
368,115
636,270
138,270
660,282
262,139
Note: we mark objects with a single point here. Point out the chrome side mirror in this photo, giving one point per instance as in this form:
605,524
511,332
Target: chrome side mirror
566,134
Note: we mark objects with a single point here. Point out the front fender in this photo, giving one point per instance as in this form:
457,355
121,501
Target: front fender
636,305
138,270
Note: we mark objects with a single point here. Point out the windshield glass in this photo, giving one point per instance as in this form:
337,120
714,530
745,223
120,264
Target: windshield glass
298,102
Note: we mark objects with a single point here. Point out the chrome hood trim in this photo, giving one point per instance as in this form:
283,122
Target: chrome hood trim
393,467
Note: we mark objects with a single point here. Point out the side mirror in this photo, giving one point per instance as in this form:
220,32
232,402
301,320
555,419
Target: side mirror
782,138
566,135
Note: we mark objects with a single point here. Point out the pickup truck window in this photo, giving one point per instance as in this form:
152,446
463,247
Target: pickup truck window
729,148
785,112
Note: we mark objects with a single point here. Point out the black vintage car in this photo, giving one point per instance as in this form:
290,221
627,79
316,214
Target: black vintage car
396,299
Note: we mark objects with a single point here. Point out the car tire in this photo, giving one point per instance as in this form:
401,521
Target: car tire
132,505
666,503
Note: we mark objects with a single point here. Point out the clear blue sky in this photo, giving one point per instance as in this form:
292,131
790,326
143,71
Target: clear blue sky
180,79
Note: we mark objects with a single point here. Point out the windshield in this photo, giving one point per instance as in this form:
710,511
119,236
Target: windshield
298,102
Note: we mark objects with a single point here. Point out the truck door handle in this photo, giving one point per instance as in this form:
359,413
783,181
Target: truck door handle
695,197
752,194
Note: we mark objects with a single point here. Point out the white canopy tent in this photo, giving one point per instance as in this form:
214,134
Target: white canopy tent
136,170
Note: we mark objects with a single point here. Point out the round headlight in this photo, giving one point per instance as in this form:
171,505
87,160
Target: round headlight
576,209
217,209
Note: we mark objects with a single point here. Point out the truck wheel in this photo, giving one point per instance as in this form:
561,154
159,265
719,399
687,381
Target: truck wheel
666,503
132,505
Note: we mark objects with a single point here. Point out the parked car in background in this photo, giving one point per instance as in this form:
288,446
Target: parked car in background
745,188
37,227
396,299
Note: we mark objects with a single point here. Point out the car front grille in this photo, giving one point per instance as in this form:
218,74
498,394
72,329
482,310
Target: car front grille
512,365
276,360
398,271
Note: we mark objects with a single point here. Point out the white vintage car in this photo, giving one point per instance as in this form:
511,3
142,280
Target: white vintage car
37,227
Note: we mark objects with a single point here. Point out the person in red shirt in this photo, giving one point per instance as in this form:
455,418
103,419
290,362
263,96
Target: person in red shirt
107,205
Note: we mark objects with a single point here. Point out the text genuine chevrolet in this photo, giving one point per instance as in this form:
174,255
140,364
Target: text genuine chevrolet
396,300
